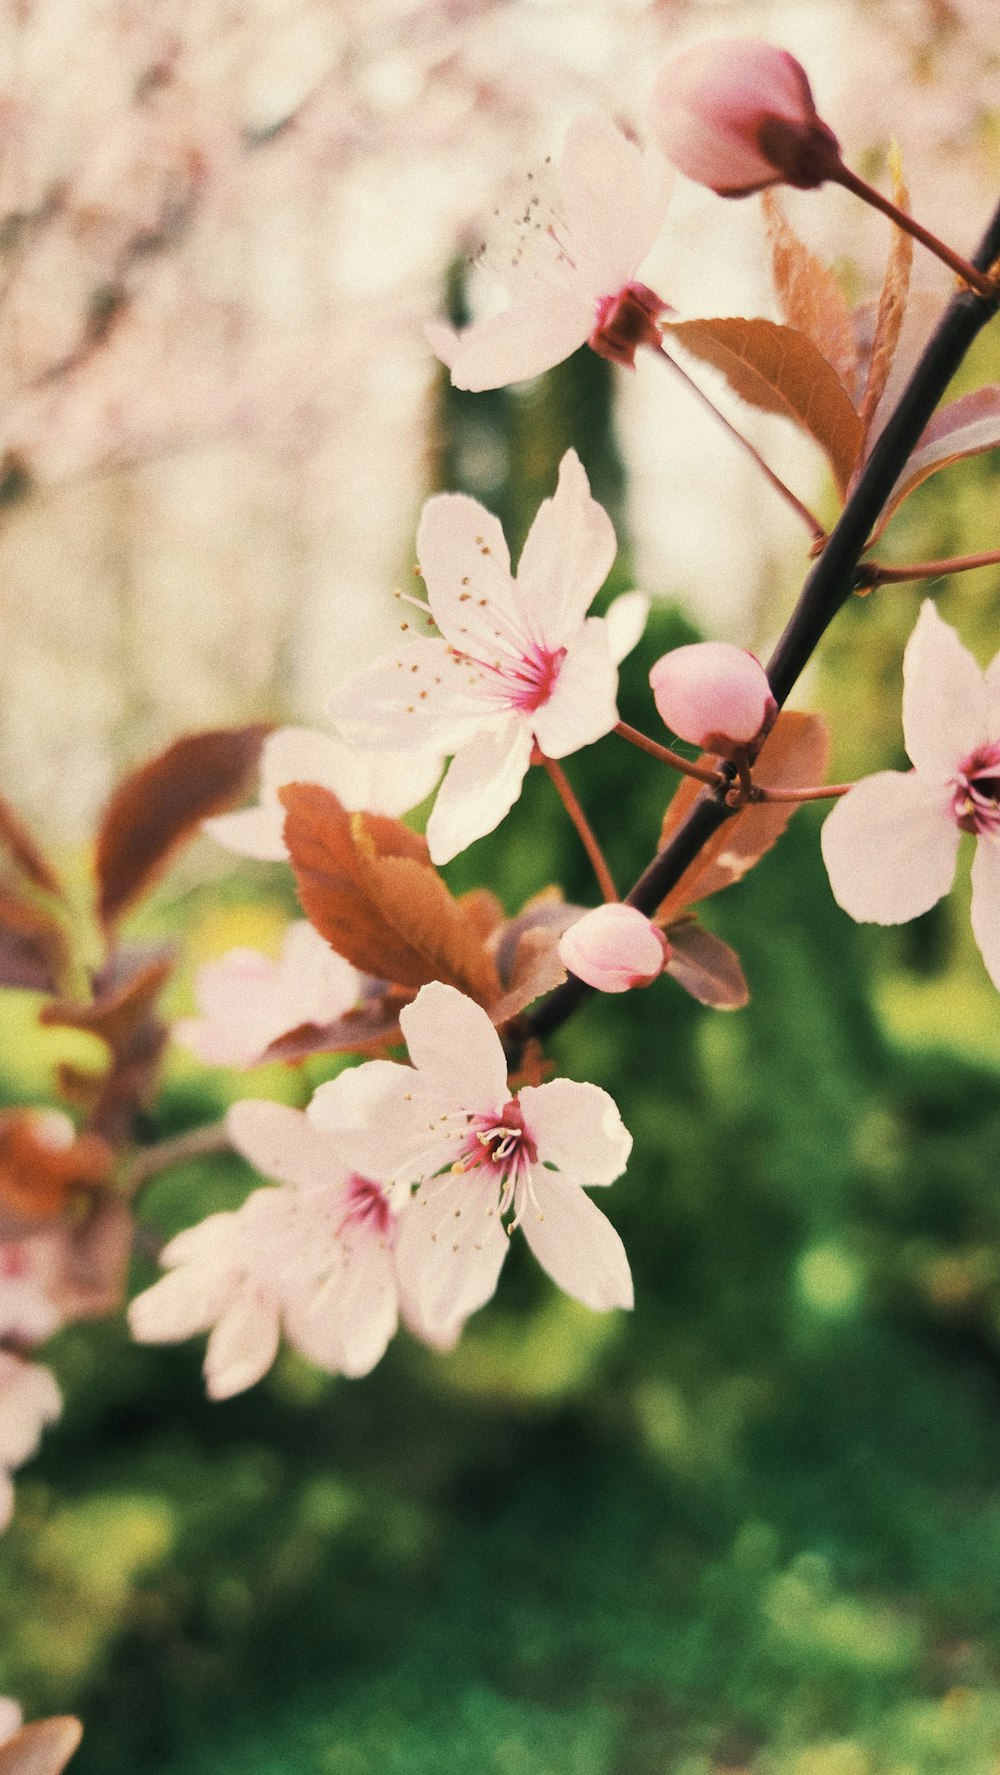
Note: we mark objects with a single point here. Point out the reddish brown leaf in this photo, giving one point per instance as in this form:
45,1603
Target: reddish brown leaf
965,427
794,756
368,1028
25,852
123,999
39,1175
160,805
809,295
366,886
32,945
891,304
780,370
43,1748
706,967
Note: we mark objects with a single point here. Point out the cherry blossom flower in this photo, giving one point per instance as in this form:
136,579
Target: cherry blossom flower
571,273
448,1128
737,114
315,1258
247,1000
890,844
384,784
517,661
713,694
29,1399
27,1314
614,948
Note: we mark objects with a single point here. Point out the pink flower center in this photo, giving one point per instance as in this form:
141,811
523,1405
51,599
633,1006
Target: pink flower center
977,794
523,680
502,1145
367,1207
625,321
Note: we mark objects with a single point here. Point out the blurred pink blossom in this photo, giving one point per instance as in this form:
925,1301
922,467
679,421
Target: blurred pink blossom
246,1000
29,1399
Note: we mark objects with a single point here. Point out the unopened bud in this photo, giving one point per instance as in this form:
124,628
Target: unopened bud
614,948
737,114
713,694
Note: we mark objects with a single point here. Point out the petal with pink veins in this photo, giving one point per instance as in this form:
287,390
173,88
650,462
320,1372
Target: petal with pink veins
890,847
576,1127
576,1244
422,696
986,903
451,1248
480,787
583,704
455,1049
568,553
944,698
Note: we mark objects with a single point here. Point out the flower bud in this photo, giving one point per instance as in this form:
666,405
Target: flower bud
713,694
614,948
737,114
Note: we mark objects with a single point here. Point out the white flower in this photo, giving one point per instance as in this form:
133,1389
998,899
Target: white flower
518,661
890,845
571,267
29,1399
380,785
449,1127
247,1001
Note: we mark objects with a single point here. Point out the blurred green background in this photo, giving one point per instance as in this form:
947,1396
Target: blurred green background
753,1525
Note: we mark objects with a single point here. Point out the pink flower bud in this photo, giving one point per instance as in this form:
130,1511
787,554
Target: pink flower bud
737,114
713,694
614,948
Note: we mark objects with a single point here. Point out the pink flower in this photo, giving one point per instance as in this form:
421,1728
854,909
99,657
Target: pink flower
518,660
891,843
713,694
382,785
571,271
737,114
11,1718
448,1128
29,1399
246,1000
614,947
315,1258
27,1314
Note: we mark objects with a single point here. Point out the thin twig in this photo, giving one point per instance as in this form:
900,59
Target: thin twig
875,573
197,1143
666,755
579,819
791,499
976,278
825,792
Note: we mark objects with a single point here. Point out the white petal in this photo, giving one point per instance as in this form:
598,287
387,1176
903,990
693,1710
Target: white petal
615,198
576,1126
583,706
480,787
463,557
538,330
348,1322
567,556
242,1347
625,620
372,780
451,1248
284,1144
576,1244
186,1301
986,903
422,697
890,846
253,832
455,1048
944,697
372,1113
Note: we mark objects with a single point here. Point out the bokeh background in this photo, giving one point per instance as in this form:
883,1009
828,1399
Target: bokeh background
754,1525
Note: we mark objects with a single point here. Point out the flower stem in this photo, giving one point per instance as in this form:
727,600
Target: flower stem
666,755
977,280
825,792
197,1143
579,819
874,573
792,499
